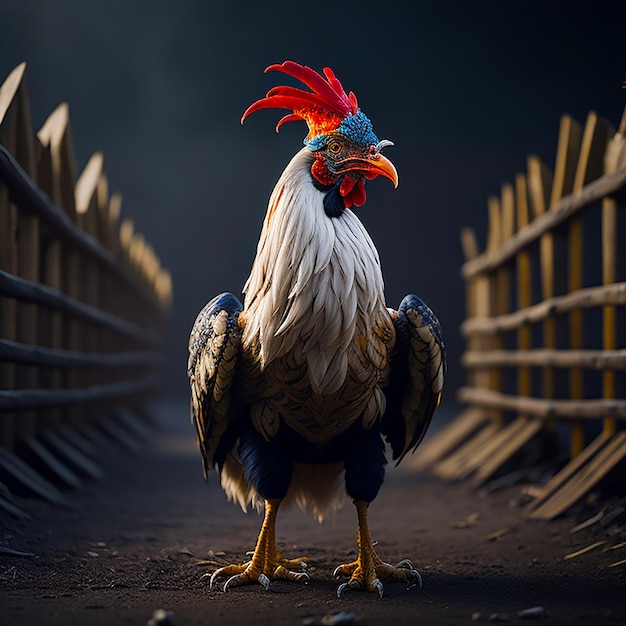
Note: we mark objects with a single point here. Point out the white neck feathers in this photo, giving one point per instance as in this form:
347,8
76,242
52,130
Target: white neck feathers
314,280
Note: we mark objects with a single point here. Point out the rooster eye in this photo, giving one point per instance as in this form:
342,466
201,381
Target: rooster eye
334,146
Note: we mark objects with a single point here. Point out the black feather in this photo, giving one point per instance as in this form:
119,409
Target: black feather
333,202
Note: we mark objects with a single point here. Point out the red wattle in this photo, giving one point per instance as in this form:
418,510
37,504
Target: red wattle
358,193
346,186
352,190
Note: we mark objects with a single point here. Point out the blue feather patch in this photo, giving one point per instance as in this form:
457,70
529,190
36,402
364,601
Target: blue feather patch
358,128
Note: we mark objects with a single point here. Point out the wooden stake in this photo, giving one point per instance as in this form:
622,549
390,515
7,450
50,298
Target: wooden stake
610,229
64,271
589,167
498,302
16,136
524,285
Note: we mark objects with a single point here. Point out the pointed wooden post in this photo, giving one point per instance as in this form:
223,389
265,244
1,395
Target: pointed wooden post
52,275
18,321
88,218
540,188
502,304
58,176
8,245
28,257
611,271
590,166
524,285
552,257
498,296
110,210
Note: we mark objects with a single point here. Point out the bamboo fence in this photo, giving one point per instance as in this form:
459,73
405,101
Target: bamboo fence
84,304
545,325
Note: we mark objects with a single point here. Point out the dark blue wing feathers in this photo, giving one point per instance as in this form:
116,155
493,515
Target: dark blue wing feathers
416,378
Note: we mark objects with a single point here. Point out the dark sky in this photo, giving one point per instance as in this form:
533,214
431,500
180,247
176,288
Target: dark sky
466,90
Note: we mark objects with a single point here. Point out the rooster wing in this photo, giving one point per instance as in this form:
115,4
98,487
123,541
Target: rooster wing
416,377
214,349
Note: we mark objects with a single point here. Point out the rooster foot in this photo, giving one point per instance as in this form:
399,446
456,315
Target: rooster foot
261,572
266,563
371,572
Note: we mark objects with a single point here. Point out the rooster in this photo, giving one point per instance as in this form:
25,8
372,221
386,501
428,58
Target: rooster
297,394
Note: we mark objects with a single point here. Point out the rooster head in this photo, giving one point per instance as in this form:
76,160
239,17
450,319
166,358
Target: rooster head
346,150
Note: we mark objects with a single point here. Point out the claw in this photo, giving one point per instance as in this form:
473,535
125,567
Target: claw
351,584
213,577
233,581
264,580
418,580
303,566
341,589
337,572
404,564
376,584
227,570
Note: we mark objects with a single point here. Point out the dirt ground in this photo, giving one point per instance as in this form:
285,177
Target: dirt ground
140,539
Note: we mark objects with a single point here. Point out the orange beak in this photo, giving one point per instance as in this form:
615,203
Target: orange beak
371,166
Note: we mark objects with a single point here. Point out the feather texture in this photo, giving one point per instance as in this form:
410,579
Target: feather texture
416,377
314,368
315,282
323,108
214,347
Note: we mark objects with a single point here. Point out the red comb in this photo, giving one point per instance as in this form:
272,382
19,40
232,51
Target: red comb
323,108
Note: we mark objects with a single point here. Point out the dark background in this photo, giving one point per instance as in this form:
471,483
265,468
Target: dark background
466,90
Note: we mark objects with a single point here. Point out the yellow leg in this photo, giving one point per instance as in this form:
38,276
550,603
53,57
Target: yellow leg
369,571
266,563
